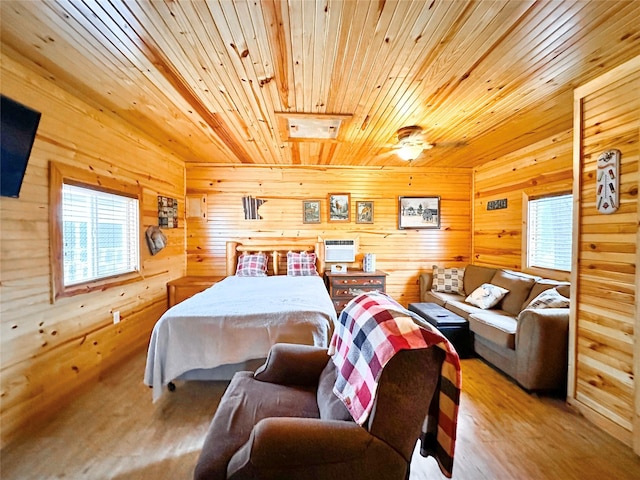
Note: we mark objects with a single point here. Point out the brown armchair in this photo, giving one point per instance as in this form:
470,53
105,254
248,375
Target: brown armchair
284,421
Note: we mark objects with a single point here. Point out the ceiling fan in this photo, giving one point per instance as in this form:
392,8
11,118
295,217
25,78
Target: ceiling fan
412,142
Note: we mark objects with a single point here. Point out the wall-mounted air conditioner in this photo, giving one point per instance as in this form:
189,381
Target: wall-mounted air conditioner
339,250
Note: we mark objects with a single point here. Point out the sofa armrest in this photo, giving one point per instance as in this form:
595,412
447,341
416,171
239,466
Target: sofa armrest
426,282
542,348
293,364
300,444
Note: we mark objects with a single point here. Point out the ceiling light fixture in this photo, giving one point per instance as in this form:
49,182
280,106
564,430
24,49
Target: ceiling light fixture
310,127
411,142
409,152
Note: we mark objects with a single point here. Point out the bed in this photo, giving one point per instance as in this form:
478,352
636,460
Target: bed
233,324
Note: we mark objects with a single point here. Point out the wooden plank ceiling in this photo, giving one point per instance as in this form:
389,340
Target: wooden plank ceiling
208,78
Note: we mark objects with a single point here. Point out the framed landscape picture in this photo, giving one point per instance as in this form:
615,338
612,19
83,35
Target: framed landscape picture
364,212
311,211
339,207
418,212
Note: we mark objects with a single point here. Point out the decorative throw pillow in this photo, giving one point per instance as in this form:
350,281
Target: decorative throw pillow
449,280
548,299
252,265
301,264
486,296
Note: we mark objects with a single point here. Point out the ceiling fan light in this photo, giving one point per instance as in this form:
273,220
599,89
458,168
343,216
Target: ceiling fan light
409,152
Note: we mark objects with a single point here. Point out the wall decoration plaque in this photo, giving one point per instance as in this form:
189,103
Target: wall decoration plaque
608,181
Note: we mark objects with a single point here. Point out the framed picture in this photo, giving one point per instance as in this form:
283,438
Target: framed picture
339,207
418,212
311,211
364,212
167,212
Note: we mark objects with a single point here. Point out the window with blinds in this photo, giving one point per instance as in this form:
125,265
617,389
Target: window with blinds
100,233
549,229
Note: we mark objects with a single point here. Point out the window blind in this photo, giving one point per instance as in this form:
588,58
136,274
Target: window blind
550,226
100,234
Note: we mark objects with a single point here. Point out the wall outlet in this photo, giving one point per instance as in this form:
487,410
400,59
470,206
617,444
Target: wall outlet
116,317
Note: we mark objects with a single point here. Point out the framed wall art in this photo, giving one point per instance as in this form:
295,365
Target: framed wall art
339,207
167,212
311,211
364,212
418,212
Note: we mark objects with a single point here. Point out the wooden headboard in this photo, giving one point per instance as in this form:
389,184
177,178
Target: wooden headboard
277,249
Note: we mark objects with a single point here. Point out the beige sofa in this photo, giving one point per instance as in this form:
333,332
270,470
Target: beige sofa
531,345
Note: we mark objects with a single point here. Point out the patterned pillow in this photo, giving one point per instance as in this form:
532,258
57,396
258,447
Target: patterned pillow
301,264
550,298
486,296
252,265
449,280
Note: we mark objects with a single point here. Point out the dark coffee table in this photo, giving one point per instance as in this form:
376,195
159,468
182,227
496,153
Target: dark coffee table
452,326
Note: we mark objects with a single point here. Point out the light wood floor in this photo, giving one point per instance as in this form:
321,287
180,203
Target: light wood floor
114,432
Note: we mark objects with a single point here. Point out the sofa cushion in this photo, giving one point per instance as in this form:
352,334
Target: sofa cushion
442,298
474,276
543,284
448,280
486,296
564,289
495,326
548,299
519,286
459,307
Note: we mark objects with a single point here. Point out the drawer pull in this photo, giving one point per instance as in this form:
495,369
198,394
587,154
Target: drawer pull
353,291
361,281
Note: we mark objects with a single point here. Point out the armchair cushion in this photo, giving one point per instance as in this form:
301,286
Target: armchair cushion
300,449
292,364
291,442
330,406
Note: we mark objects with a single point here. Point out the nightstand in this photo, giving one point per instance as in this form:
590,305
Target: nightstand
343,287
182,288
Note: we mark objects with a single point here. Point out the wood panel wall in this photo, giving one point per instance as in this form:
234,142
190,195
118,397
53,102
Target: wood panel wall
542,168
403,254
51,350
605,354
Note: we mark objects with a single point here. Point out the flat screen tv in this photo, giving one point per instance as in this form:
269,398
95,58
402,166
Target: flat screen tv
17,133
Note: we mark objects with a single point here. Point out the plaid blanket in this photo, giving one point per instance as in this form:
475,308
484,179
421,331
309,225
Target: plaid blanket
370,330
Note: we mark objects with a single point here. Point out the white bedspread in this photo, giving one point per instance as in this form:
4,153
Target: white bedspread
235,320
